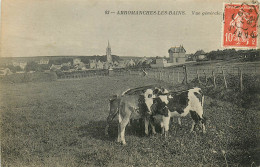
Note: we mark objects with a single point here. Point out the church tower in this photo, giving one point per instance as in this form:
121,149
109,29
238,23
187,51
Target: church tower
108,53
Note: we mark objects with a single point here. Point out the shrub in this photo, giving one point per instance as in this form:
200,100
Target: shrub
248,98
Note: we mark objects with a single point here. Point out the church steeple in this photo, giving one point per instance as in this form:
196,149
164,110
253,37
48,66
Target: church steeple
108,45
108,53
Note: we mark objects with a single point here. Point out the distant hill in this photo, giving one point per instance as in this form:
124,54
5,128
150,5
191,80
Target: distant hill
55,59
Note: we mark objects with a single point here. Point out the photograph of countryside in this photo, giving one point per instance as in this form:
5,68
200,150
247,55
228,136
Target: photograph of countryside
76,92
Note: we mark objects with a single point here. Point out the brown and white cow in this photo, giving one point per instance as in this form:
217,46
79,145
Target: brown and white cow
135,107
179,104
137,100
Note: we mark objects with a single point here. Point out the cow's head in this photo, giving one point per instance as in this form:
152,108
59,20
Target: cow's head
160,91
149,93
160,106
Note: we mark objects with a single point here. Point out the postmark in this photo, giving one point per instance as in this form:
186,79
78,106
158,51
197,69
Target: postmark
240,26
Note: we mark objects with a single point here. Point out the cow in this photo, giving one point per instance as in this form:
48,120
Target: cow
179,104
136,107
144,94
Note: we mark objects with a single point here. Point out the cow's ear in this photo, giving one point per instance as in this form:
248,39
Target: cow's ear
156,91
161,93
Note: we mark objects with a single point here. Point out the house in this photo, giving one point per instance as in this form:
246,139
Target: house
80,66
5,71
23,65
159,62
107,65
76,61
44,61
66,64
15,64
121,64
55,67
141,61
116,63
93,64
177,55
130,63
100,65
200,55
20,64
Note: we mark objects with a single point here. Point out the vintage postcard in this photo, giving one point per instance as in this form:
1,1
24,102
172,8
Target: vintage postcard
129,83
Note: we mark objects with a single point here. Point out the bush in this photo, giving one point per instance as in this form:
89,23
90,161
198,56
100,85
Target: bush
65,68
33,66
14,69
248,98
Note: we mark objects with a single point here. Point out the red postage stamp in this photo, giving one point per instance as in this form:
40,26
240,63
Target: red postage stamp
240,25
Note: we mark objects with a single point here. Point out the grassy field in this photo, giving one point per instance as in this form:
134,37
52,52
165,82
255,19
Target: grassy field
61,123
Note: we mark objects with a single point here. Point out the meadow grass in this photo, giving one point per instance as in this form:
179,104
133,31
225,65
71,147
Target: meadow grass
61,123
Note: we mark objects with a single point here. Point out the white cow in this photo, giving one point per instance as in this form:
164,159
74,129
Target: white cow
179,104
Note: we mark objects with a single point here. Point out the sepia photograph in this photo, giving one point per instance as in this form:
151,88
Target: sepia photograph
133,83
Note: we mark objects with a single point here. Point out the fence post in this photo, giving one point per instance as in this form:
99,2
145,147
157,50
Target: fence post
198,76
185,79
178,76
214,79
224,77
206,80
241,80
173,76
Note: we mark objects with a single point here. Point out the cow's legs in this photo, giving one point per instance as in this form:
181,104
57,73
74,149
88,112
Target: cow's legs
146,124
122,129
165,123
203,128
119,128
152,125
119,133
179,121
203,122
197,119
162,127
192,126
110,118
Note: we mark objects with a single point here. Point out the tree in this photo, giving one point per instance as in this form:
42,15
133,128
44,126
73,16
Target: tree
14,69
32,66
65,68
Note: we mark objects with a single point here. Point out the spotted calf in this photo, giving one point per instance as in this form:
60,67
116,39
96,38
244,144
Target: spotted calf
179,104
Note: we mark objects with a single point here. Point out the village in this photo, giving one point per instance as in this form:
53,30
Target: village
176,56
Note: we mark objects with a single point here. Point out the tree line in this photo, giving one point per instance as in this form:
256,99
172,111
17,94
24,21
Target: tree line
226,54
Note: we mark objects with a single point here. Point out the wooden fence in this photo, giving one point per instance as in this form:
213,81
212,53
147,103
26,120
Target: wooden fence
176,75
81,74
201,73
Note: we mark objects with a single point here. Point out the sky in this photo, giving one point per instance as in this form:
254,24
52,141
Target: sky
81,27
